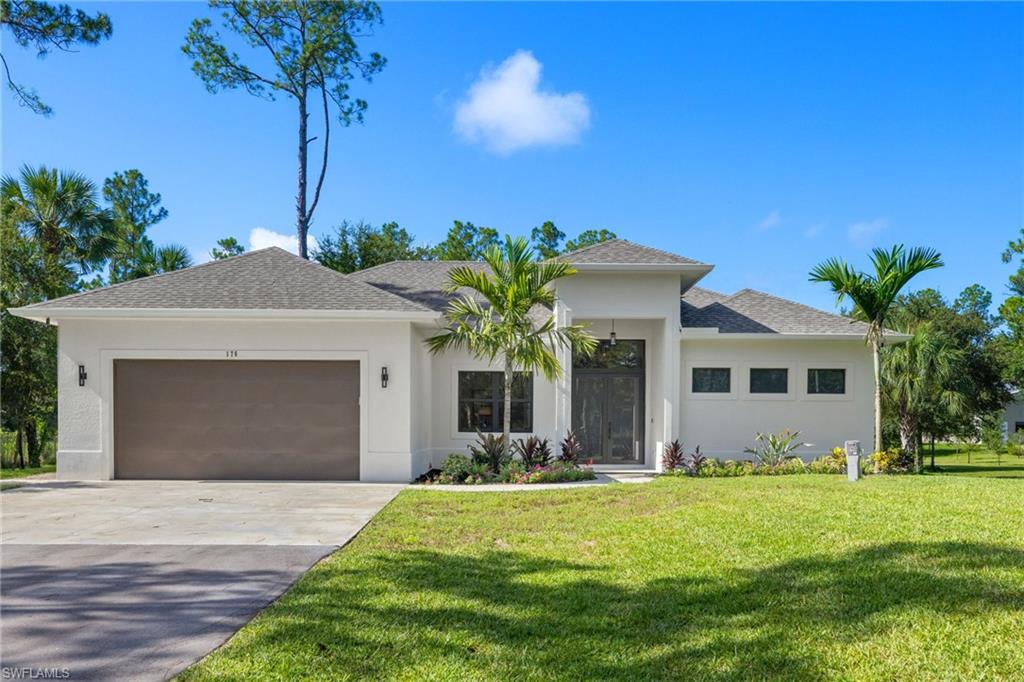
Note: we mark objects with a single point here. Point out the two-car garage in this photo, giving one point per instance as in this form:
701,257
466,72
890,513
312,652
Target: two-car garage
236,419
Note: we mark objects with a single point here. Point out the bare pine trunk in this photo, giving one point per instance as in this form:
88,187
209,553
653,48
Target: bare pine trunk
876,353
506,427
32,443
19,448
301,224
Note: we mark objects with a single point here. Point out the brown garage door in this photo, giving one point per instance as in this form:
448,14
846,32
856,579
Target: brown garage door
236,419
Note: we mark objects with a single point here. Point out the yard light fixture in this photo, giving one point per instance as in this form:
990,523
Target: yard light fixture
611,337
384,376
81,375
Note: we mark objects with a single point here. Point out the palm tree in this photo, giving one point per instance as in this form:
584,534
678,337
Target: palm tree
134,257
504,326
172,257
61,211
920,377
873,296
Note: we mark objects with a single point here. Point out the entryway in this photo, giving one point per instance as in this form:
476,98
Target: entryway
608,402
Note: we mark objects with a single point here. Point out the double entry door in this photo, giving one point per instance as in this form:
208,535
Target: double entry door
608,404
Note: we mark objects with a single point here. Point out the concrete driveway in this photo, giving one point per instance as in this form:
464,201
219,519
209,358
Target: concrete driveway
139,579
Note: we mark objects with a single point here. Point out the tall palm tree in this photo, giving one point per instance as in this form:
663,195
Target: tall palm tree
61,211
873,296
500,323
920,380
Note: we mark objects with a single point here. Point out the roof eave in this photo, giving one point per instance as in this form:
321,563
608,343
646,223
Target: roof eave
44,314
697,333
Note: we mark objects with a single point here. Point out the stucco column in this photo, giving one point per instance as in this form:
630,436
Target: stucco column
563,386
670,362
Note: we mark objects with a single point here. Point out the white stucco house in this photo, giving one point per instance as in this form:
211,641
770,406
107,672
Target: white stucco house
266,366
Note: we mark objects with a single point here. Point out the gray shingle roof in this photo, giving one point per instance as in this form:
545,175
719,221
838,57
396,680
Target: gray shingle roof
755,312
620,251
268,279
422,282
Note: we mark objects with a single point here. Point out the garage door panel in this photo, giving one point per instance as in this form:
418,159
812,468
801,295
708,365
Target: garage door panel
242,419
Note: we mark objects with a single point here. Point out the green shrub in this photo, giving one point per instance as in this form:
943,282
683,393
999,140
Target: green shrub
455,468
478,473
511,471
772,449
892,461
557,472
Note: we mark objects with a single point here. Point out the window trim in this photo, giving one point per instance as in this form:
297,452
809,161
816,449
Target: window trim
710,364
791,391
456,434
827,397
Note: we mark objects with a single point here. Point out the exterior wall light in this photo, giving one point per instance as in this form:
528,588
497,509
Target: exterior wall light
384,376
611,337
82,375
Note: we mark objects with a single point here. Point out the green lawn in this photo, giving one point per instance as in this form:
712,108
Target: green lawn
979,462
27,471
912,577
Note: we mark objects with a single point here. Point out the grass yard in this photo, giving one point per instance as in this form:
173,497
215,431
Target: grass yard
809,577
27,471
979,462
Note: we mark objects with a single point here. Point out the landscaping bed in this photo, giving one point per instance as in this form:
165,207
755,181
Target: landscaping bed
531,461
796,577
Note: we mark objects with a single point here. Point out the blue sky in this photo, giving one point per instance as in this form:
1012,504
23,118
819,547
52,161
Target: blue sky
762,138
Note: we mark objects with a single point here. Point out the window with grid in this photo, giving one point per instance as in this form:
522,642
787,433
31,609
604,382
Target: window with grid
482,402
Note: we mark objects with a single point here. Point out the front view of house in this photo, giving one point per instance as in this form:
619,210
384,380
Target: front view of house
267,366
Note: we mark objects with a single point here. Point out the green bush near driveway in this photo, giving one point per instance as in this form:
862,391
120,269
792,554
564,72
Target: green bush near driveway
795,577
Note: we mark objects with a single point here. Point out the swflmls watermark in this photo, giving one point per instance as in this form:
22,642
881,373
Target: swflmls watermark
27,673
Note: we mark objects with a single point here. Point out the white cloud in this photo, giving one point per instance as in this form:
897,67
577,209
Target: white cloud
769,221
262,238
814,230
506,110
863,234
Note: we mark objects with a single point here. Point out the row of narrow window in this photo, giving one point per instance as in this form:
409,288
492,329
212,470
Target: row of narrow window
820,381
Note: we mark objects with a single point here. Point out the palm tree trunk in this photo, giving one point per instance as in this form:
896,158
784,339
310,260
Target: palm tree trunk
876,356
919,456
506,427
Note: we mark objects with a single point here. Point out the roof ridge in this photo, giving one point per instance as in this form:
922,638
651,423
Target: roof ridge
411,260
674,256
792,302
118,285
705,289
592,246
